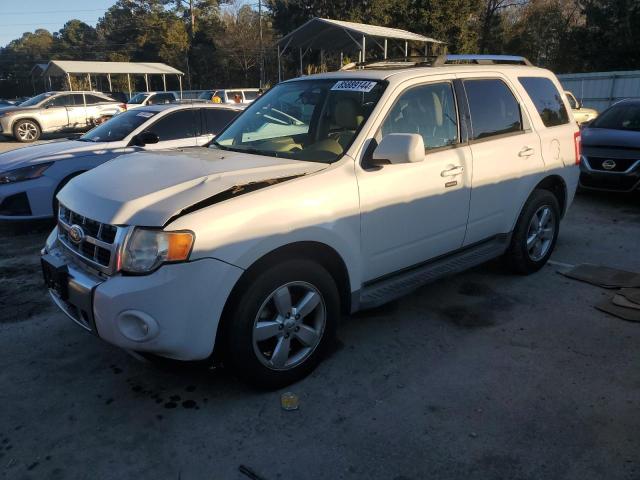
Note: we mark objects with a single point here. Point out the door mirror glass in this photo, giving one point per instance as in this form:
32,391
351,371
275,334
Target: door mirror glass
145,138
399,148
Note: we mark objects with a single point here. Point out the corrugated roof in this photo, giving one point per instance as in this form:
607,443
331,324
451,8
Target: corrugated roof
327,34
62,67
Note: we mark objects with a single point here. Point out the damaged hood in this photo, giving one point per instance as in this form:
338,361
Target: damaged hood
149,188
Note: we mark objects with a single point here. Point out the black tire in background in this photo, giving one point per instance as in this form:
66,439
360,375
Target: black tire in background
26,131
522,256
254,294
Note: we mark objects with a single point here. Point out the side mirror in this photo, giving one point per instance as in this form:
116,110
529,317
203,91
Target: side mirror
399,148
145,138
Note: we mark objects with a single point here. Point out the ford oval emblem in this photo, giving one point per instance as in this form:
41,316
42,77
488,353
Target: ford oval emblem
609,164
76,234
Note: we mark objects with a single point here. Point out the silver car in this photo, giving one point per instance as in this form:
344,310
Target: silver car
54,112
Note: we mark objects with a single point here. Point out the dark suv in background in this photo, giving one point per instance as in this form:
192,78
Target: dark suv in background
611,149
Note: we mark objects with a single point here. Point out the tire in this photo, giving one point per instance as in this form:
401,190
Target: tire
26,131
258,330
533,240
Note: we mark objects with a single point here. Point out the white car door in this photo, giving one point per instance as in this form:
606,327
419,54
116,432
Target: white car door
54,113
506,157
414,212
77,111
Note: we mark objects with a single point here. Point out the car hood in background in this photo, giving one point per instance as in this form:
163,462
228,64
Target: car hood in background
52,151
605,137
148,189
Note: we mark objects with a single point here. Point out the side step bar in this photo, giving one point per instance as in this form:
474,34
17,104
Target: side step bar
406,281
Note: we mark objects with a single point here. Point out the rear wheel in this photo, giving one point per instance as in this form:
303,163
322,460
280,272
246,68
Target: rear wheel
281,323
536,232
26,131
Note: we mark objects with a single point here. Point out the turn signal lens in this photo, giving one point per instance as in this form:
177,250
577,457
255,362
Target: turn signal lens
577,140
179,246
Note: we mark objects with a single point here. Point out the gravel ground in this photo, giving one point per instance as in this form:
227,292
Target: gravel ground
483,375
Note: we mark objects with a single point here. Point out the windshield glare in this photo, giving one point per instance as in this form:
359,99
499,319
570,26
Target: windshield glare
312,120
139,98
36,100
619,117
118,127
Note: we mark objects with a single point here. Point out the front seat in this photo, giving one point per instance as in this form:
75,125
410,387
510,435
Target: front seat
347,115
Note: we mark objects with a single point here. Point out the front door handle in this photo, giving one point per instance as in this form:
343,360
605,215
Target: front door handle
526,152
452,171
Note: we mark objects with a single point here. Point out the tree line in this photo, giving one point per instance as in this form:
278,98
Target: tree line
217,43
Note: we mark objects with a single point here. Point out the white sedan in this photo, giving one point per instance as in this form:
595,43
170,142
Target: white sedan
30,177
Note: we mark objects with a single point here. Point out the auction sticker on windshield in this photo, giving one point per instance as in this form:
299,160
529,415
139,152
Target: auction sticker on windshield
354,86
146,114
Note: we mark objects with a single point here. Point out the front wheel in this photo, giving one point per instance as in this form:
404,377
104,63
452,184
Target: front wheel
26,131
280,325
536,232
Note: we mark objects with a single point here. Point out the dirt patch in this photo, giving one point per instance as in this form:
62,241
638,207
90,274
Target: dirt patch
22,294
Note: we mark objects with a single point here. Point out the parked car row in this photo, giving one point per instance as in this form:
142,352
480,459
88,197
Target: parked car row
56,111
31,177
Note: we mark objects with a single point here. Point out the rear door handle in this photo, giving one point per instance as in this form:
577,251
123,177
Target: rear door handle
526,152
452,171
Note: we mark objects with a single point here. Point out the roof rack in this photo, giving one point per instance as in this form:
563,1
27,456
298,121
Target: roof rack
481,60
433,61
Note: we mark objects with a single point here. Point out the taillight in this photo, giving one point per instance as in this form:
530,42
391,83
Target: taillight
577,140
123,106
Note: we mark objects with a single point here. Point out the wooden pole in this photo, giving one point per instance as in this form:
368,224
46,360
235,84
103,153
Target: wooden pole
164,81
146,81
109,78
69,80
129,83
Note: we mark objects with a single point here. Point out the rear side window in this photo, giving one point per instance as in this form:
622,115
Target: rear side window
217,118
547,99
94,99
178,125
494,110
251,95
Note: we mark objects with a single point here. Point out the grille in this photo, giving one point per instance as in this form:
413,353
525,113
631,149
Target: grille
99,245
622,164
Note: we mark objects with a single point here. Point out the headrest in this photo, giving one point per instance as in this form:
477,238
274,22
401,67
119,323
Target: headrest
347,113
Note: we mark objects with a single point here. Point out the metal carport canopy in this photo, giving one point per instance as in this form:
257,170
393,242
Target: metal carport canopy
327,34
62,67
59,68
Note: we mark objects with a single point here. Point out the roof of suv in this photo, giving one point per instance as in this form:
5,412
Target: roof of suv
407,73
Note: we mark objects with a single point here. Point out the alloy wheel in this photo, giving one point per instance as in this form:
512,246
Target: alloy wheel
289,326
540,233
27,131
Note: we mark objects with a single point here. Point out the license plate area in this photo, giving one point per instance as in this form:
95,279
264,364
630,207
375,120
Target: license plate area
56,275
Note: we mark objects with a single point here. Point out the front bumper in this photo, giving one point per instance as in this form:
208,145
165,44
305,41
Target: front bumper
173,312
27,200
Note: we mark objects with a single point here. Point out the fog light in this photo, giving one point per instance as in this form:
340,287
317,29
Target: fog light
137,326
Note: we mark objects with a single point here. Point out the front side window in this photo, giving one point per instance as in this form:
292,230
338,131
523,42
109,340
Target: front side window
312,120
547,99
118,127
94,99
178,125
572,101
494,110
428,110
250,95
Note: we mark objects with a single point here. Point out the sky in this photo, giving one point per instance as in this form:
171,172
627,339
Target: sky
17,17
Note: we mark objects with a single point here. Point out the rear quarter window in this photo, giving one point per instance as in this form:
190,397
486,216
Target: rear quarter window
547,100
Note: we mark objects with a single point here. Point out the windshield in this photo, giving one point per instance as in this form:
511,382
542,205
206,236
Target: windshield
139,98
619,117
312,120
118,127
37,99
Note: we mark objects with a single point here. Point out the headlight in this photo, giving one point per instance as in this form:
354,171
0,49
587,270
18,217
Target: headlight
25,173
147,249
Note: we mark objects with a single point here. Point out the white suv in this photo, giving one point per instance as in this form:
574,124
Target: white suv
330,194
